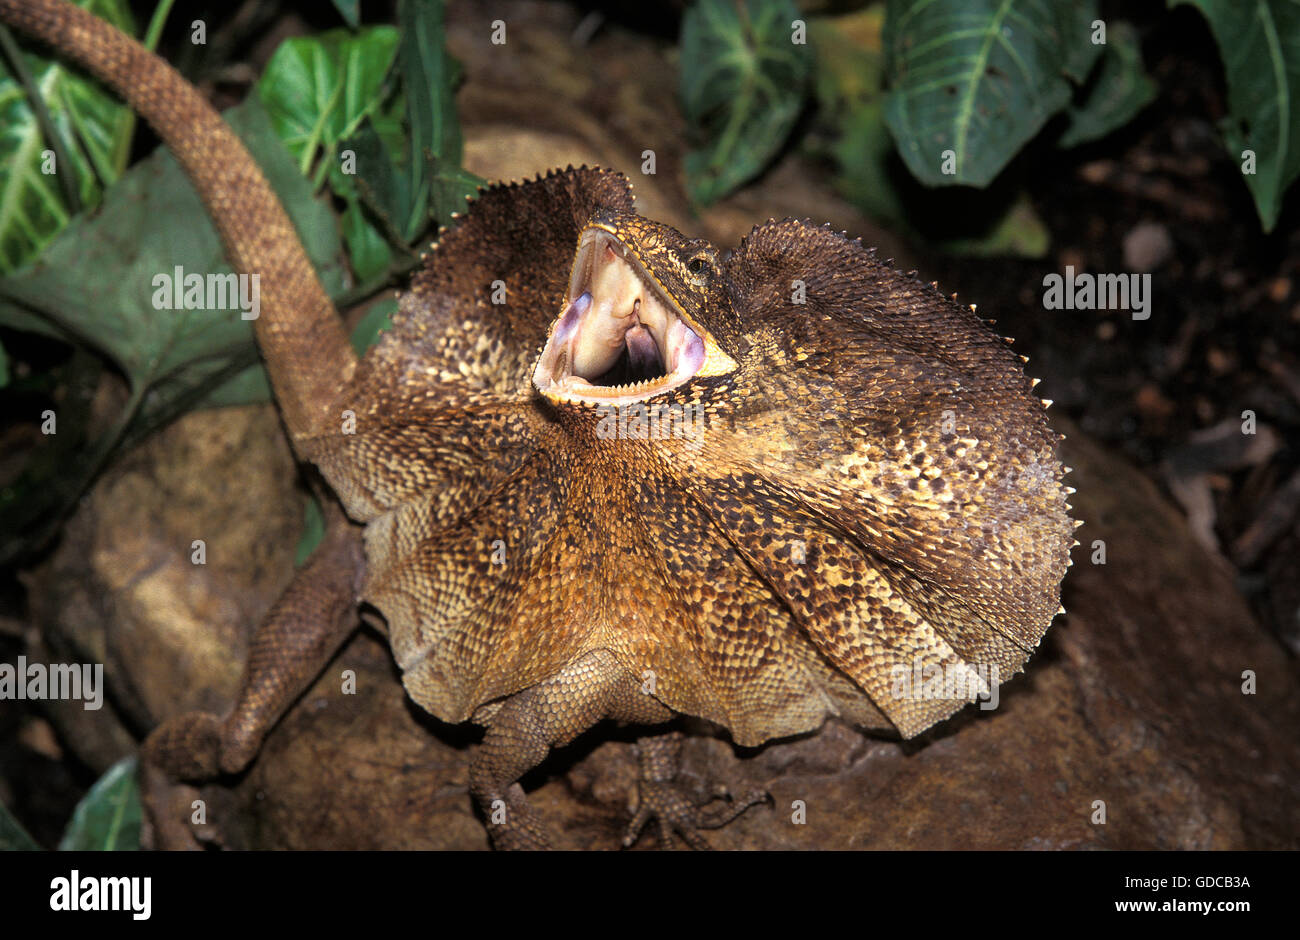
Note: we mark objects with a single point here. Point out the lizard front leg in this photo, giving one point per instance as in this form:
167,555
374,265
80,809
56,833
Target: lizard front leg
528,724
290,647
551,714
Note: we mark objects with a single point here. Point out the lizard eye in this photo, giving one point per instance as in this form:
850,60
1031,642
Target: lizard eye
700,265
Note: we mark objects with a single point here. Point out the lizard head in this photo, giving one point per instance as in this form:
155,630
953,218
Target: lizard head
632,324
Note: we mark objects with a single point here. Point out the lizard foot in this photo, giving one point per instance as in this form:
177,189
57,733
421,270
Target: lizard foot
679,805
186,747
513,825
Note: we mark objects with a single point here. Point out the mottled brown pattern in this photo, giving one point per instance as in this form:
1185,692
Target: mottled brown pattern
923,542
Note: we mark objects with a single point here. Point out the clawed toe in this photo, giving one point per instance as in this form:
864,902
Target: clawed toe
677,806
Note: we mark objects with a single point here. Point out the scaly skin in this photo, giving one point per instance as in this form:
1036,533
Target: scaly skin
872,491
878,427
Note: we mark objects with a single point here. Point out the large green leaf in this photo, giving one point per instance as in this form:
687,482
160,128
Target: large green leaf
1260,44
150,223
92,124
108,817
94,287
318,89
1118,90
743,85
979,78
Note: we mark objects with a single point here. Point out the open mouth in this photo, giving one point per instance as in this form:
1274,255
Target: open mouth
619,338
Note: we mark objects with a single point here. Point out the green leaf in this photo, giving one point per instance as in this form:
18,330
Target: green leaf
1260,44
13,837
436,184
108,817
377,319
4,367
390,120
405,180
862,150
318,89
246,386
1119,89
151,223
979,78
369,253
381,185
743,84
94,128
1018,232
313,530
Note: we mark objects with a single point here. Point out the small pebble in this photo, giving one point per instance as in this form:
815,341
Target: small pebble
1147,247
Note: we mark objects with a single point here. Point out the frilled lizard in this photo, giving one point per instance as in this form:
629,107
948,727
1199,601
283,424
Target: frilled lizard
761,487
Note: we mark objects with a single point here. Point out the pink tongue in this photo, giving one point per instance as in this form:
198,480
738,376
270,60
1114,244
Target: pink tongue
642,352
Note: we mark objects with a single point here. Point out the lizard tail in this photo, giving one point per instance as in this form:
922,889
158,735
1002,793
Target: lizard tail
307,352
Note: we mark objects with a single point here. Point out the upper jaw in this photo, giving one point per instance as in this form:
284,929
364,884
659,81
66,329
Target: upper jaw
620,338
